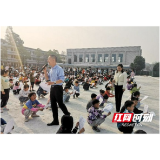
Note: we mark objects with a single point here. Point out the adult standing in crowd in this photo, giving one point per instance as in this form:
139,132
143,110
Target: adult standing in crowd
5,88
32,80
132,74
55,78
120,80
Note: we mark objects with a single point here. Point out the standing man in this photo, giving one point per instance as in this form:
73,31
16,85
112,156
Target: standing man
55,78
32,80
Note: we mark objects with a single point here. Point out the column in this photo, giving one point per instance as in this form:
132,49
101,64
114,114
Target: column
102,58
124,58
90,58
84,58
117,54
72,59
77,57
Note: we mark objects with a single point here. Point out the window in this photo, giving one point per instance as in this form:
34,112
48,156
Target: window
87,58
92,57
75,58
113,57
81,58
99,57
69,61
120,58
106,58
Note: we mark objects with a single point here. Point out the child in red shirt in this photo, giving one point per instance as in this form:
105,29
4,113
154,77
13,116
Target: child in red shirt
107,92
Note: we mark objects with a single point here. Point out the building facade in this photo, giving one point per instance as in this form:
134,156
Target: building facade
103,57
12,56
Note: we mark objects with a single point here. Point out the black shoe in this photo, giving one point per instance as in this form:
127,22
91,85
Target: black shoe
95,129
53,123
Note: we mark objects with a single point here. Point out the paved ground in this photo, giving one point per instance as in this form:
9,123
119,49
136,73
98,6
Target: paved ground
77,107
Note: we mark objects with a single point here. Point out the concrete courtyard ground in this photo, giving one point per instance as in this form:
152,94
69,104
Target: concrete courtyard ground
77,107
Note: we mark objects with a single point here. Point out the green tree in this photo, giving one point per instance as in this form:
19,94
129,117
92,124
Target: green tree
139,63
54,52
17,43
156,67
39,55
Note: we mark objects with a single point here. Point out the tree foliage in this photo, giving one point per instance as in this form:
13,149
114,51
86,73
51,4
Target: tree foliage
156,67
139,63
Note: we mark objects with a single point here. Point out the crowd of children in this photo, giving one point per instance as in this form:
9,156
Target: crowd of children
88,78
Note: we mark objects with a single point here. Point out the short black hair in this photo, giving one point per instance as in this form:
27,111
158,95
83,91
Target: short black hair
95,101
140,132
134,99
135,85
4,72
66,87
93,95
31,94
108,88
128,103
54,57
76,81
134,94
101,91
26,86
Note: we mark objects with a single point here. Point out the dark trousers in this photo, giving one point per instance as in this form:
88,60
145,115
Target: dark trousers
56,96
4,97
118,97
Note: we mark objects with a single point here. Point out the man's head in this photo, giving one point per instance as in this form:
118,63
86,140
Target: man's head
52,59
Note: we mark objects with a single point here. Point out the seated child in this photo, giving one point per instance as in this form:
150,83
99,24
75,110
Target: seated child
86,86
129,86
95,116
3,125
16,88
136,110
11,83
41,92
31,107
107,92
127,127
76,90
93,83
66,94
23,94
89,104
21,78
67,126
102,94
134,89
137,95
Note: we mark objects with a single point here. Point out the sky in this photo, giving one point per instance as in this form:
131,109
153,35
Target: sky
62,38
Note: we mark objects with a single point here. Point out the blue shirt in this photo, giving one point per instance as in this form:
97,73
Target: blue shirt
56,73
76,88
30,104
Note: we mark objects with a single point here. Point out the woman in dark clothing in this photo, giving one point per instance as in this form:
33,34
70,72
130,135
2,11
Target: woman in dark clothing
67,125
